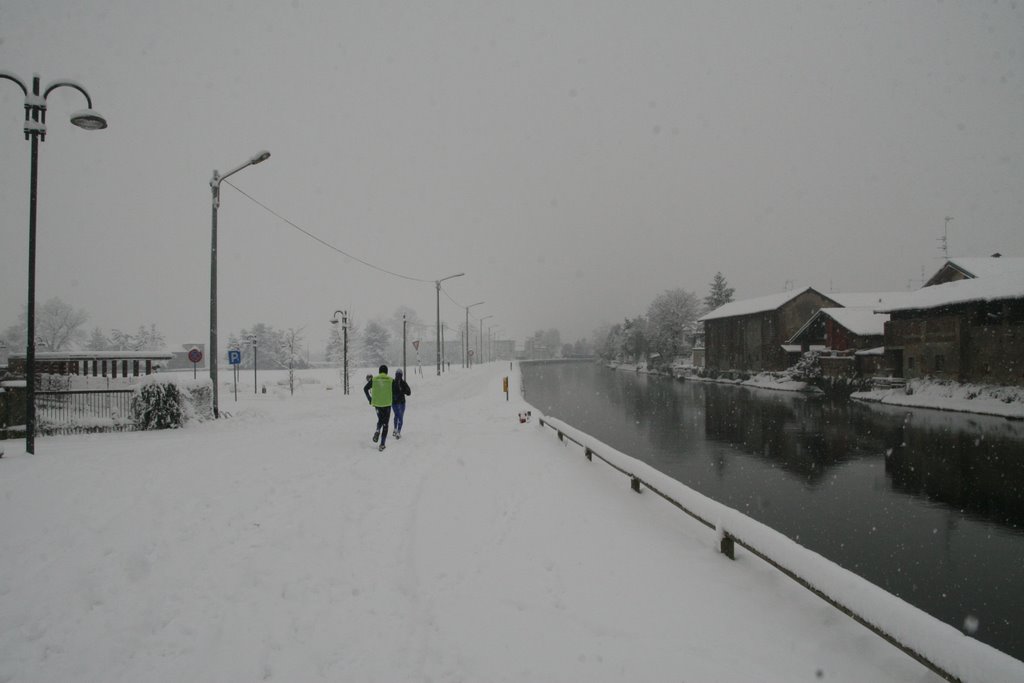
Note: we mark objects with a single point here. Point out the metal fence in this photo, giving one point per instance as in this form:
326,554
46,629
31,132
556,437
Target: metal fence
77,412
727,546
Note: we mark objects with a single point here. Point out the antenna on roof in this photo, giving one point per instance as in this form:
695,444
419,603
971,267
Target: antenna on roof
944,240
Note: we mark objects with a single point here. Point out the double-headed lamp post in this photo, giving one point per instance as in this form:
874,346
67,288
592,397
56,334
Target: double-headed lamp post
35,131
215,182
478,303
437,283
342,317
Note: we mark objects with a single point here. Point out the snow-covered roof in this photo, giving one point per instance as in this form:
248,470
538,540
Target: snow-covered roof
90,355
992,288
987,266
861,321
866,299
760,304
876,351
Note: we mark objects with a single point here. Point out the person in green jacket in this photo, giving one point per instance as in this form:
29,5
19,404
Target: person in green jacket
378,392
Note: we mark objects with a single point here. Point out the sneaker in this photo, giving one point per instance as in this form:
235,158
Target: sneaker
376,436
380,447
398,435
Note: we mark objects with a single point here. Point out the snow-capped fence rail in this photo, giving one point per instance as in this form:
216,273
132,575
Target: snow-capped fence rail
72,412
941,648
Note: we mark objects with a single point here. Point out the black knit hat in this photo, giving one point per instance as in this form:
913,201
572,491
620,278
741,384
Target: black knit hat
383,369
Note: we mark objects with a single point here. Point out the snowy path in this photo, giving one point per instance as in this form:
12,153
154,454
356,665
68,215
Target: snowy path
280,545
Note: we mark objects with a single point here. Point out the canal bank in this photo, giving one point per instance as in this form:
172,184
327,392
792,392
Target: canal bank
979,399
926,505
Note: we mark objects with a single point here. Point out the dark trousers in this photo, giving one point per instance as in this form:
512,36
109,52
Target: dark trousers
383,416
399,415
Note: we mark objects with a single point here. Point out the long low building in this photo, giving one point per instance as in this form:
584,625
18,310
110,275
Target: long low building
94,363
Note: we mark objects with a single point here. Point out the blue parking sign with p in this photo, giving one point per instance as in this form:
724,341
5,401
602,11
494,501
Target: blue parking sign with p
234,357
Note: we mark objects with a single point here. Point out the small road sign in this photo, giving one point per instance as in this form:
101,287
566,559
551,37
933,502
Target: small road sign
234,357
195,356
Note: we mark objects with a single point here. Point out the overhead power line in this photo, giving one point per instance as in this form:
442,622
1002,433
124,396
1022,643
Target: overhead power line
322,241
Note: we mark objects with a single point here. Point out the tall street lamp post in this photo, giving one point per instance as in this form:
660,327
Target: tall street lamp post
255,382
344,345
438,284
35,131
215,182
478,303
480,348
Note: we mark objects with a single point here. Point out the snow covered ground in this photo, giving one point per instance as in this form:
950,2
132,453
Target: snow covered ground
969,398
280,545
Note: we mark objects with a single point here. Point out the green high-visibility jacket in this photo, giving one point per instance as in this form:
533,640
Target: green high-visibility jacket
381,391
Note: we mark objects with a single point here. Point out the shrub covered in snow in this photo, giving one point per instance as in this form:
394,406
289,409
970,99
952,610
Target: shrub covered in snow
808,368
158,406
162,403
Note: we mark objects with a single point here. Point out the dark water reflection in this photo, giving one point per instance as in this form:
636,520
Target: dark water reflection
928,505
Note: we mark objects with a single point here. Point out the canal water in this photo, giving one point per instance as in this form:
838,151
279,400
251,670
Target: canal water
928,505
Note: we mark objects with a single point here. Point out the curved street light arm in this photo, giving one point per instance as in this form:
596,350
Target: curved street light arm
11,77
257,158
70,84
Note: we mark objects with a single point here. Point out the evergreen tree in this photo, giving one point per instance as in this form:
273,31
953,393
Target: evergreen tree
149,339
97,341
335,350
375,343
121,341
720,293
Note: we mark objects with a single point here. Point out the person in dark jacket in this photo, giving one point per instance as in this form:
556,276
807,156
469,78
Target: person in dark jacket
399,390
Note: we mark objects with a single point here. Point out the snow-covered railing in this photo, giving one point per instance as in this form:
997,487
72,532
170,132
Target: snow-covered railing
949,653
69,412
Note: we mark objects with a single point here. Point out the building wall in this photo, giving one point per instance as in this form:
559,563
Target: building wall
981,343
931,346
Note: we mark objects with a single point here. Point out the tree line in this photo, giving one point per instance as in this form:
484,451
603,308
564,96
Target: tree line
62,327
666,330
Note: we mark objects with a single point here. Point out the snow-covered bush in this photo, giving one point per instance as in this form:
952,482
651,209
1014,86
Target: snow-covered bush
160,402
158,405
808,368
200,400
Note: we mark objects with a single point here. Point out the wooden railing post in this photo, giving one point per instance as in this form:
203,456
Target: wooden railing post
728,546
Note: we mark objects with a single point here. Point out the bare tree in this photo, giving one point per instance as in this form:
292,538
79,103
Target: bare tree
59,325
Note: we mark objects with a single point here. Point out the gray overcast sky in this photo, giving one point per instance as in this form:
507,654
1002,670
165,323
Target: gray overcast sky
575,159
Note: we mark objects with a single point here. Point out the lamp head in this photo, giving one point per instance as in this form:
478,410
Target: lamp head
262,156
89,119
